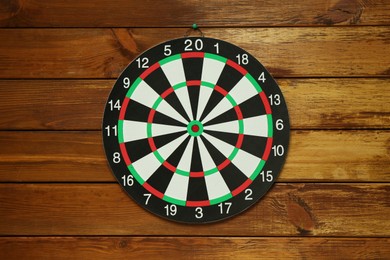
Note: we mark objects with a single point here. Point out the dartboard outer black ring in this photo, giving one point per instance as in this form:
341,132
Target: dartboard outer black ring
196,130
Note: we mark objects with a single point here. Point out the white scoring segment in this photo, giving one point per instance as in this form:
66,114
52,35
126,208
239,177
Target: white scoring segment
184,97
223,106
226,127
134,130
160,129
178,187
204,96
216,186
211,70
246,162
225,148
243,91
185,161
148,164
174,71
145,95
166,150
257,126
207,160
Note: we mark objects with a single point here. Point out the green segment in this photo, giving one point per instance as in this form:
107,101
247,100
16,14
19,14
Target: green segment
181,172
215,57
179,85
221,199
135,174
169,59
159,157
213,170
157,103
254,82
149,130
133,87
207,84
270,125
258,170
120,131
174,201
231,100
241,126
233,154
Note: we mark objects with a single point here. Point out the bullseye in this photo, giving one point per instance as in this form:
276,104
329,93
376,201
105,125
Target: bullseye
195,128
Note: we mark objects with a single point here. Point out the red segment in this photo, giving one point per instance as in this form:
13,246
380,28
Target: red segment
124,108
221,90
191,83
196,174
195,128
167,92
200,203
265,102
124,154
153,190
169,166
150,70
192,55
238,112
267,149
152,144
239,141
151,116
223,165
242,187
237,67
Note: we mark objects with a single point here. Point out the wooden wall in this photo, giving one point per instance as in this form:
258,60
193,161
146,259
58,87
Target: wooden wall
59,60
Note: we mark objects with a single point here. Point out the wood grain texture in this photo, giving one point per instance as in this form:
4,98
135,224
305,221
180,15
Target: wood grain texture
193,248
79,104
174,13
321,156
287,210
286,52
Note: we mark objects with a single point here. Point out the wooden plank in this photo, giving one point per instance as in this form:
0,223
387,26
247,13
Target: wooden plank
321,156
79,104
347,210
286,52
124,13
193,248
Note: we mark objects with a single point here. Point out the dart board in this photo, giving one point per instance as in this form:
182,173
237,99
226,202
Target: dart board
196,130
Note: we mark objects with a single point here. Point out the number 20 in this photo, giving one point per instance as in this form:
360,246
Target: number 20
198,45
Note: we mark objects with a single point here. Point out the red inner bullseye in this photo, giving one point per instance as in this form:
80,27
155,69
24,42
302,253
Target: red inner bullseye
195,128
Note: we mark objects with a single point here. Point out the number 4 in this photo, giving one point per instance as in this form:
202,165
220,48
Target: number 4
262,77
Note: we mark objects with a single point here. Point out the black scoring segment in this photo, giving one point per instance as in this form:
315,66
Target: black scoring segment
158,81
247,107
197,190
217,156
193,68
229,78
232,176
196,164
176,156
160,179
254,145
